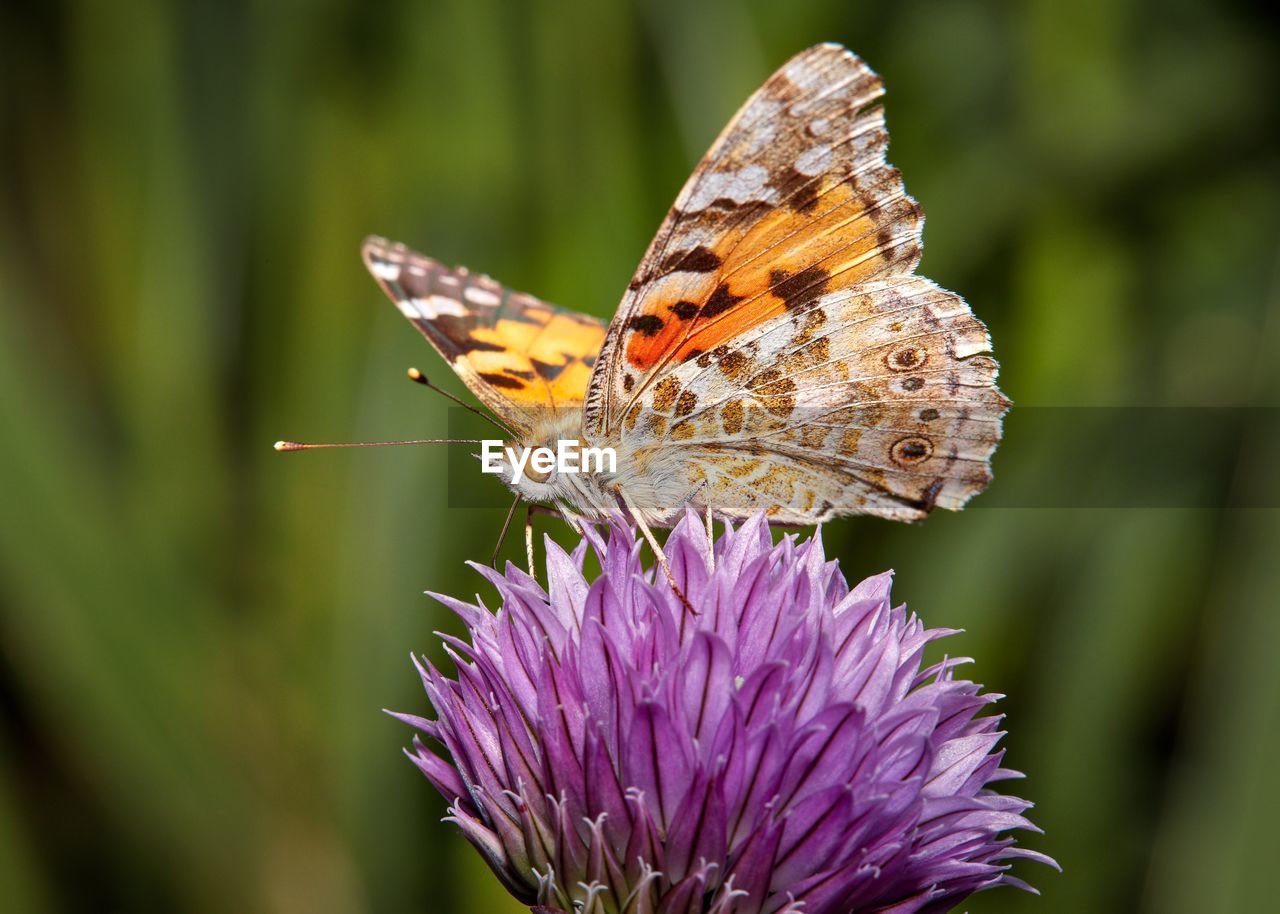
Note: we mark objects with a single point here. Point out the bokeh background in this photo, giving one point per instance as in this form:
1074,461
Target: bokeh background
198,633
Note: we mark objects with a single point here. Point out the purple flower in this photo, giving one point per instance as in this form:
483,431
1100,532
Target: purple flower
777,749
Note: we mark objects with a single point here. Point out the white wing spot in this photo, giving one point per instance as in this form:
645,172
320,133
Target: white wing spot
763,126
802,74
739,186
436,306
482,297
385,270
814,161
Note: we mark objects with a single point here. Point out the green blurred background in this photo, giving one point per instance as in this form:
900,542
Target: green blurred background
198,633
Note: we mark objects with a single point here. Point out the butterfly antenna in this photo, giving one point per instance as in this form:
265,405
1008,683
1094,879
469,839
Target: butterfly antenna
418,377
286,446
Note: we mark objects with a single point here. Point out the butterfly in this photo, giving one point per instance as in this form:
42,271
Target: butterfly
775,351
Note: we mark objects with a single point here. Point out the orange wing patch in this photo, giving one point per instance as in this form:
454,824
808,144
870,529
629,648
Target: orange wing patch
847,245
794,200
518,354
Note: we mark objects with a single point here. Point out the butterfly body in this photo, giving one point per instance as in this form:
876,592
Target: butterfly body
776,350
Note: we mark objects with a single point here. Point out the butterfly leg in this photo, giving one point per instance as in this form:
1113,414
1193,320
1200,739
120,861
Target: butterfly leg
502,534
657,550
711,540
693,493
711,534
568,517
528,539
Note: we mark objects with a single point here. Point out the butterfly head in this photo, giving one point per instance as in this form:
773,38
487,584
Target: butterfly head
554,464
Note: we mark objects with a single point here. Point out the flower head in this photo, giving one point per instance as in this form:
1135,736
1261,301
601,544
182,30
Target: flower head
774,746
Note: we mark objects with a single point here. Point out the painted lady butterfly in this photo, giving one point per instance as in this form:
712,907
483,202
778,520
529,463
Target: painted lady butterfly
775,351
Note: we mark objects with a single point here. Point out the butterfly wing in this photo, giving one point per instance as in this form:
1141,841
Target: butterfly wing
794,222
877,400
520,355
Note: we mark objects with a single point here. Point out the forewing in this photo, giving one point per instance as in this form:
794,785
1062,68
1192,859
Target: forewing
518,354
794,200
